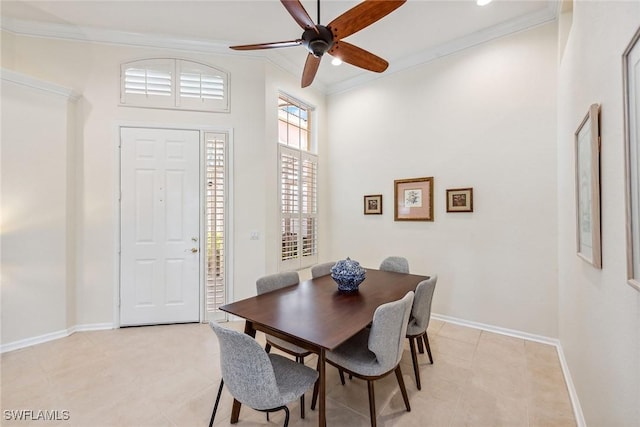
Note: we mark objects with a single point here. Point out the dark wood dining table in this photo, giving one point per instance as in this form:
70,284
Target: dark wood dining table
318,317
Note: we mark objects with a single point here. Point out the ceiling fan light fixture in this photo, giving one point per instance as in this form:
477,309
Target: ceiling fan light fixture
483,2
318,47
336,61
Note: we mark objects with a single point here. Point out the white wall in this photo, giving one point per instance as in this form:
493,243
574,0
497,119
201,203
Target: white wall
37,205
599,314
483,118
92,70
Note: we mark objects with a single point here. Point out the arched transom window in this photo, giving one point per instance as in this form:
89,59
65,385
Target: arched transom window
175,84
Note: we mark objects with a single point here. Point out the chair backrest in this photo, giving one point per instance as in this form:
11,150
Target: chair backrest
421,310
323,269
276,281
395,263
388,330
246,369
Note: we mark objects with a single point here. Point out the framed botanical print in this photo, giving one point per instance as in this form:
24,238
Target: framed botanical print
631,96
413,199
587,155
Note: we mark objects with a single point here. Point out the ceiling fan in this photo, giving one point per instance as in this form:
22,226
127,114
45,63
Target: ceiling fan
321,39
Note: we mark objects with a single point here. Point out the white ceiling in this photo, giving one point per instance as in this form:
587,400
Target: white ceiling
417,32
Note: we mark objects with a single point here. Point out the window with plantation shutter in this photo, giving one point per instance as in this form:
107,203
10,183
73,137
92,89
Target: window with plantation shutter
215,222
147,83
201,87
175,84
298,172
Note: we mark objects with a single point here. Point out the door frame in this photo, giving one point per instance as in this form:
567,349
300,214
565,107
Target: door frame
202,182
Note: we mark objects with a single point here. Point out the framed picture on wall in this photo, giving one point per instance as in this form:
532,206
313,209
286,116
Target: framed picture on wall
373,204
587,155
460,200
413,199
631,86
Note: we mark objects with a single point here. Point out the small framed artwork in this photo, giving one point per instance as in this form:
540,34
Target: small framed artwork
373,204
587,154
460,200
413,199
631,96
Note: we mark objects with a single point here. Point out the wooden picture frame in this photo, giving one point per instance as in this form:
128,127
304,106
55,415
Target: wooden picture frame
587,155
413,199
631,96
373,204
460,200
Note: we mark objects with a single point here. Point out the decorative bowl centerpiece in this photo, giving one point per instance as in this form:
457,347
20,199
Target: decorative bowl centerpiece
348,274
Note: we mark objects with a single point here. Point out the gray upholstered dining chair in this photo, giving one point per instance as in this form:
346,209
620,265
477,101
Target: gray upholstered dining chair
375,352
265,382
395,263
274,282
323,269
419,321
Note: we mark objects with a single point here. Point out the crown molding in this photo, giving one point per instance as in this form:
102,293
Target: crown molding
86,34
28,81
95,35
98,35
523,23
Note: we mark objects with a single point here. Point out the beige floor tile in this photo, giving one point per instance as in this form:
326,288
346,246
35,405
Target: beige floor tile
434,326
459,333
479,407
444,347
169,376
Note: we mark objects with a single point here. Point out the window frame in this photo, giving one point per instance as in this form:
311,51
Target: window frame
300,216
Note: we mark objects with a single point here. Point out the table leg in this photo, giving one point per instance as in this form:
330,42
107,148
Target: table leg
249,329
322,419
235,409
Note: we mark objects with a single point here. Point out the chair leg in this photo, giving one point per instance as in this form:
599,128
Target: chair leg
403,389
426,343
341,376
300,359
215,407
414,358
286,416
420,347
267,347
314,399
372,403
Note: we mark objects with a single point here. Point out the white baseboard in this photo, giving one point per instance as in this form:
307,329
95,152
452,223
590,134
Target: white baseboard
28,342
575,402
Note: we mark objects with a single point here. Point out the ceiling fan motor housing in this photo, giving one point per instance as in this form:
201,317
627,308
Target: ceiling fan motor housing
318,43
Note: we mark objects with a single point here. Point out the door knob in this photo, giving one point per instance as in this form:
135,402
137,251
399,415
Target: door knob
194,250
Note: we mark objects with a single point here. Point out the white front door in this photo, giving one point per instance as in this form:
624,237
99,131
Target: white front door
159,214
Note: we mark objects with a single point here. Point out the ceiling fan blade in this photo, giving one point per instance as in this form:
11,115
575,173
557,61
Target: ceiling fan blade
357,56
268,45
361,16
310,69
295,9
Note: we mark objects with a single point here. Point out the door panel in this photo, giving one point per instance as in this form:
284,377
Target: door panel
159,280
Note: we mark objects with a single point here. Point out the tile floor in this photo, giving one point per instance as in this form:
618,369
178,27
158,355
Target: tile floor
169,376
